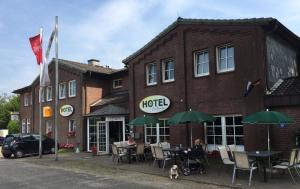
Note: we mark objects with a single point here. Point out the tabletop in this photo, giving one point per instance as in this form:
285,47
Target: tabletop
263,153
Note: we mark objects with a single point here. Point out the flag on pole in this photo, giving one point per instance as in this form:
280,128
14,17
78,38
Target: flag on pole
250,86
36,45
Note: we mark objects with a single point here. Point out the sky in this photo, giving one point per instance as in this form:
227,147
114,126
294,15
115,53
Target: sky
109,30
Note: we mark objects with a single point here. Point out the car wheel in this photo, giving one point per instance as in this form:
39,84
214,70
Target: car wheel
6,155
19,154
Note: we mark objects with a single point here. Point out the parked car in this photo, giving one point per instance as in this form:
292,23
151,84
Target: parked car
1,140
26,144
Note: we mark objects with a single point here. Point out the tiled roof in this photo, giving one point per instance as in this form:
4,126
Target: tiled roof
86,67
180,21
113,98
289,86
21,90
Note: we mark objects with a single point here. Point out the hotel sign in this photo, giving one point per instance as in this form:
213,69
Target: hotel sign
66,110
155,104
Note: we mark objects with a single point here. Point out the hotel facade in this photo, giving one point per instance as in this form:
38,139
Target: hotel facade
194,64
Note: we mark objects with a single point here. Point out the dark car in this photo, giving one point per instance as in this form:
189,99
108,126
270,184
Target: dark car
26,144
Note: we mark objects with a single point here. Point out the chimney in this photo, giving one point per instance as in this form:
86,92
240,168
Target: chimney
94,62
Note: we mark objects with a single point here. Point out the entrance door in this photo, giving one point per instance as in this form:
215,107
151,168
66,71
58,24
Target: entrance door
102,140
115,131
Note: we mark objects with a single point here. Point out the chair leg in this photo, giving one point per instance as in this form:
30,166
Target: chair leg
164,164
297,171
153,163
291,176
233,175
250,178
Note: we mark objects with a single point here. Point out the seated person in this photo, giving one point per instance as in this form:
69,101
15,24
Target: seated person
198,154
131,141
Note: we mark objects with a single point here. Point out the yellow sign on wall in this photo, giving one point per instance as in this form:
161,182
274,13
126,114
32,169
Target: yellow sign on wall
47,112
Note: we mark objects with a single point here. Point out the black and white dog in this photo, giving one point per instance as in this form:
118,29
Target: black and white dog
174,172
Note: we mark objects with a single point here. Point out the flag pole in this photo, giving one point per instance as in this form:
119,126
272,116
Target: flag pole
56,87
40,97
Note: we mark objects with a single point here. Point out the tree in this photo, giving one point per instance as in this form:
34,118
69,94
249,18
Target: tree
13,127
7,104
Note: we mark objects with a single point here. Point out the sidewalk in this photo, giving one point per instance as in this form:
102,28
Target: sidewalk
217,174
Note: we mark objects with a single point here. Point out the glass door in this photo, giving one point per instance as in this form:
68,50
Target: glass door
102,139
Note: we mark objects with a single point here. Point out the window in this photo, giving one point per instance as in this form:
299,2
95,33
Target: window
72,88
225,58
72,125
42,95
225,130
26,99
151,74
62,90
23,125
49,93
28,125
168,70
117,83
201,63
159,132
48,126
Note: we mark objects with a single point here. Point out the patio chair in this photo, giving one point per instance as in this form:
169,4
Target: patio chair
165,146
231,148
116,153
297,161
289,164
139,152
224,156
242,163
159,156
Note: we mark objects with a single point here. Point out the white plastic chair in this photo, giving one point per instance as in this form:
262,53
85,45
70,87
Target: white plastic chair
289,165
159,156
116,153
224,155
242,163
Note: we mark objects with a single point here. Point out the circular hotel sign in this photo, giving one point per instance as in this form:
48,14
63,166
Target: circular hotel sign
154,104
66,110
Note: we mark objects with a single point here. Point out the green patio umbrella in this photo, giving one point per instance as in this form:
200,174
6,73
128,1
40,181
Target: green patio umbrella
190,117
268,118
144,120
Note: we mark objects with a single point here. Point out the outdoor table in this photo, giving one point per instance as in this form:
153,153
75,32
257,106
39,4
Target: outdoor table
263,156
129,149
174,151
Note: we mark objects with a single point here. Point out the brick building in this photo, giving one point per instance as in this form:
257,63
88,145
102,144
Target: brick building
80,86
205,65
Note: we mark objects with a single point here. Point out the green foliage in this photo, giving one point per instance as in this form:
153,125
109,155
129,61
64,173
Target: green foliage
7,104
13,127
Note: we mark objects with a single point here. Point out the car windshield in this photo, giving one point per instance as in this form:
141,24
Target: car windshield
8,140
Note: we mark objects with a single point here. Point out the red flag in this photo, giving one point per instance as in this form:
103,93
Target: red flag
36,45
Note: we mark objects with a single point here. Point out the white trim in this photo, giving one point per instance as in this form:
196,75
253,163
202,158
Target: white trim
147,74
49,91
163,63
196,63
88,135
59,89
118,86
71,88
217,56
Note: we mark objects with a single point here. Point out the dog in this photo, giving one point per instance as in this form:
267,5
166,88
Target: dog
174,172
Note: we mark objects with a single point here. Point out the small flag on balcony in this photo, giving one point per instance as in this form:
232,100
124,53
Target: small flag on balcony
250,86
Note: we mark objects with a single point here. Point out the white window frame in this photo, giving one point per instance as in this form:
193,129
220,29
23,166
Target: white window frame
148,74
48,126
64,90
156,128
218,52
42,94
223,134
116,83
197,62
26,99
49,93
70,125
163,63
23,126
72,88
28,125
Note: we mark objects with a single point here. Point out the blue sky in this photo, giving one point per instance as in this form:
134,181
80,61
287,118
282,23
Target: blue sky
109,30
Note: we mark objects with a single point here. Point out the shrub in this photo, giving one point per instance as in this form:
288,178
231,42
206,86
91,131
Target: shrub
13,127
